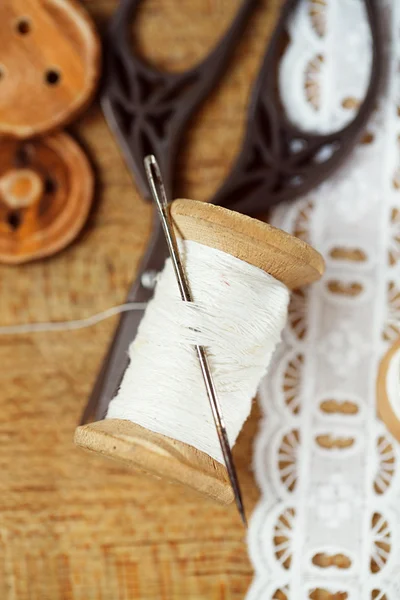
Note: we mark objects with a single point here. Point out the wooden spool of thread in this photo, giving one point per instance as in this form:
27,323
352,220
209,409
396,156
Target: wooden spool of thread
289,260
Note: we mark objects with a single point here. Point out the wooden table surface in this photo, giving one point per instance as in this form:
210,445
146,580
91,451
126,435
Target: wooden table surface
73,526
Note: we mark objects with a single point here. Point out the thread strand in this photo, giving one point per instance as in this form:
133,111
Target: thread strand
52,326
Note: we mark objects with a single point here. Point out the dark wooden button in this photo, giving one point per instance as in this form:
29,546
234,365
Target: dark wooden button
46,190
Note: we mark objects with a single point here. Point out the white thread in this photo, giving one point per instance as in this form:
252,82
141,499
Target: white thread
238,313
51,326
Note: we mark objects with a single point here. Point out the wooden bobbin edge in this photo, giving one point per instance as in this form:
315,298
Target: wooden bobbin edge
385,409
289,260
158,455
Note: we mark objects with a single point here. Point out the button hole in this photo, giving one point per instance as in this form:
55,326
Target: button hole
50,186
24,154
52,77
23,26
14,219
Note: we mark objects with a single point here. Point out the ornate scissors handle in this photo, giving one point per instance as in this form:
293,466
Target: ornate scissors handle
278,162
148,109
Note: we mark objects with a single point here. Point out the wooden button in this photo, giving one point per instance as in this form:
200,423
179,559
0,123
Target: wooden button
46,190
388,390
49,64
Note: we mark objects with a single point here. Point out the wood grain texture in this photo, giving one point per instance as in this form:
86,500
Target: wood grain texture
49,64
73,526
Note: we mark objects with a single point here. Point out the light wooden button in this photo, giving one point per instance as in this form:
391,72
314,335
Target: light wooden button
388,390
46,190
49,64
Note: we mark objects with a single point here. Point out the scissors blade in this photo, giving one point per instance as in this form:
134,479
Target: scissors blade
116,360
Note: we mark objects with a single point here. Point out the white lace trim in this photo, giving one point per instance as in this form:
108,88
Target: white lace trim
329,516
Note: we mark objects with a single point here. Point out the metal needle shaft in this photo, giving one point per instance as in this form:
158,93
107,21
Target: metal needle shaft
159,195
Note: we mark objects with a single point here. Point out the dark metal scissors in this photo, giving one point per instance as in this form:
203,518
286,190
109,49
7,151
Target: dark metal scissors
148,110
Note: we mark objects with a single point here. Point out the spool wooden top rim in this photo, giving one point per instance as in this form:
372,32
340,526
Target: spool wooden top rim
287,258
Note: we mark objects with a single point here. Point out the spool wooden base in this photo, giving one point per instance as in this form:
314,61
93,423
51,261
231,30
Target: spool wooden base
288,259
157,455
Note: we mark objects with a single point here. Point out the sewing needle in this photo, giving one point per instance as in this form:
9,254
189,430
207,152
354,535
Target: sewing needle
158,192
